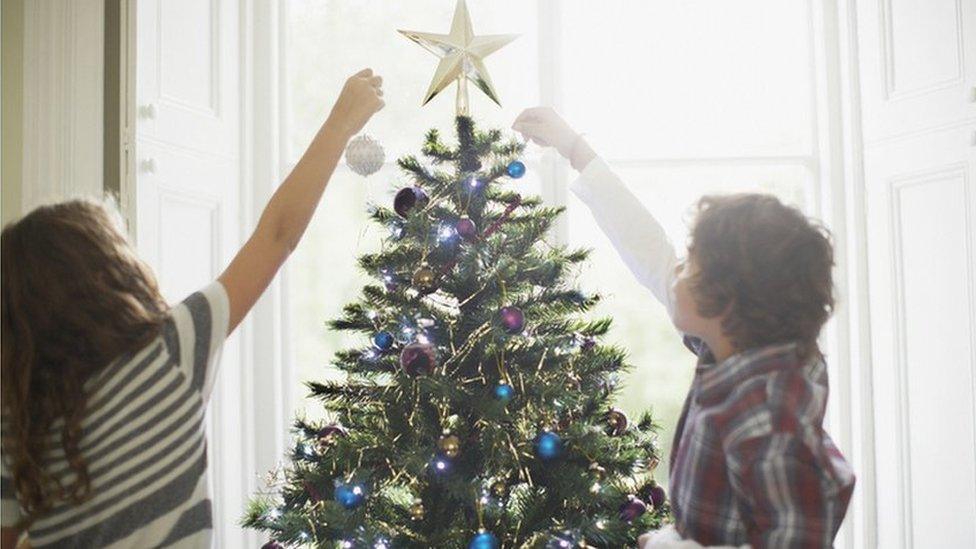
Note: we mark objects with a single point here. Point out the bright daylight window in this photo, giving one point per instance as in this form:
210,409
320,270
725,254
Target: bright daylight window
683,99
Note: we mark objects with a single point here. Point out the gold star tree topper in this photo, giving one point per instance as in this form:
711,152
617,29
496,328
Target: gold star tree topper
462,57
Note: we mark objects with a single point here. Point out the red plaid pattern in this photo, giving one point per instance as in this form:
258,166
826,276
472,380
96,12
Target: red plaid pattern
751,462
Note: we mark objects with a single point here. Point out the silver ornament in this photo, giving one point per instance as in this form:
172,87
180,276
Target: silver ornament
365,155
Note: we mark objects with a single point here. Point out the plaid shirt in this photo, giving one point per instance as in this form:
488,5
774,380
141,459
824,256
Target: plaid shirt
751,462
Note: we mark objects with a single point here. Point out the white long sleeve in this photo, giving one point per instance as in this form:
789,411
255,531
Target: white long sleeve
636,235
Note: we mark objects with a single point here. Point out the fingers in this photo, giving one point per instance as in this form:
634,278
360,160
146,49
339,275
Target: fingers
534,113
376,81
531,133
531,121
523,118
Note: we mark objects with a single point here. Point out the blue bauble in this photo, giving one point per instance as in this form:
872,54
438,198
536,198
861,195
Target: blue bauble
383,341
483,540
548,445
504,392
350,496
515,169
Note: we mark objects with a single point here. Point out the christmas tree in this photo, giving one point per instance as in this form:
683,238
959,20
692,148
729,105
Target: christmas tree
480,412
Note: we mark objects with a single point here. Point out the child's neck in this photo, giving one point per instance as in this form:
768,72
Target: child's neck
721,347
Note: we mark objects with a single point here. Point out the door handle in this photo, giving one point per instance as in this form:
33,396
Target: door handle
148,165
148,111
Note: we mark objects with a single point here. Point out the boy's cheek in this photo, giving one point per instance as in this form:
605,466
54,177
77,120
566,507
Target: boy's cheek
682,315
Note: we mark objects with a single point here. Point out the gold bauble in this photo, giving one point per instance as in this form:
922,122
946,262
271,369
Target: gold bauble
449,445
616,421
598,472
499,489
417,510
423,280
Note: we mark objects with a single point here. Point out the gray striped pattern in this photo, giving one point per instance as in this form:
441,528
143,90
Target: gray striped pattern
143,440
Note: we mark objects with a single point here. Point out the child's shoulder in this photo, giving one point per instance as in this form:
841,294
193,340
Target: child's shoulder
195,329
781,400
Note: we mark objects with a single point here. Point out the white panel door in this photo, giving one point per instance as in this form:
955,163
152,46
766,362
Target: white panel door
921,201
918,65
187,191
188,73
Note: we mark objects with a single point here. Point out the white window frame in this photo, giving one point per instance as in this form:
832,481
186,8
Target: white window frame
834,195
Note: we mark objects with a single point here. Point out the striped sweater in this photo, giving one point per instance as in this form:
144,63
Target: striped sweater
144,442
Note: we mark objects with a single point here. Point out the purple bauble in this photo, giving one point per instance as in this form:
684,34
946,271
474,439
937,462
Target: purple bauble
418,359
407,199
654,494
331,432
632,508
587,343
466,229
272,545
513,320
312,491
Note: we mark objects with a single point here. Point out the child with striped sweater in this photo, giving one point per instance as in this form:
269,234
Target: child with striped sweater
104,386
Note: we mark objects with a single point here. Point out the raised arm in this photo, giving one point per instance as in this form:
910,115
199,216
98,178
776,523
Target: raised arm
287,214
636,235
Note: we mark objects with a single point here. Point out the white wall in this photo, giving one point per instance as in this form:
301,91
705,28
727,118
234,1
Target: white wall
62,99
12,100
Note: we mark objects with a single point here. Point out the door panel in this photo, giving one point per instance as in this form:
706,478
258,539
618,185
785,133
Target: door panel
922,232
188,49
188,71
181,216
918,65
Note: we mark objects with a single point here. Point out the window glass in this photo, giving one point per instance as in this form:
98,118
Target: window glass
697,78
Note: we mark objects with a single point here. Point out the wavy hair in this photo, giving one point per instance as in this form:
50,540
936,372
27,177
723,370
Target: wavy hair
766,267
73,297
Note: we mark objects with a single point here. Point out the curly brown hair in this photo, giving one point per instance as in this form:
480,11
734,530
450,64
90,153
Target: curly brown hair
766,267
73,297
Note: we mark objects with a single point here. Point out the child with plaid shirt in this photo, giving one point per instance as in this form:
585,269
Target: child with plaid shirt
751,462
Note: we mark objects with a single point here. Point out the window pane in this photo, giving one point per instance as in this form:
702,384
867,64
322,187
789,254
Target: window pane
663,368
691,78
328,41
323,276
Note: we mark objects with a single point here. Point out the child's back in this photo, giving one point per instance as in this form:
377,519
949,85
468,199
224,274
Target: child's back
105,387
751,462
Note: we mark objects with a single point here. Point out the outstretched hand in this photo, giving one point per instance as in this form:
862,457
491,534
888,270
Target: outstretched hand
360,99
544,126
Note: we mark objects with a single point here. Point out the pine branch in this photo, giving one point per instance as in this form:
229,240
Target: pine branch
436,150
